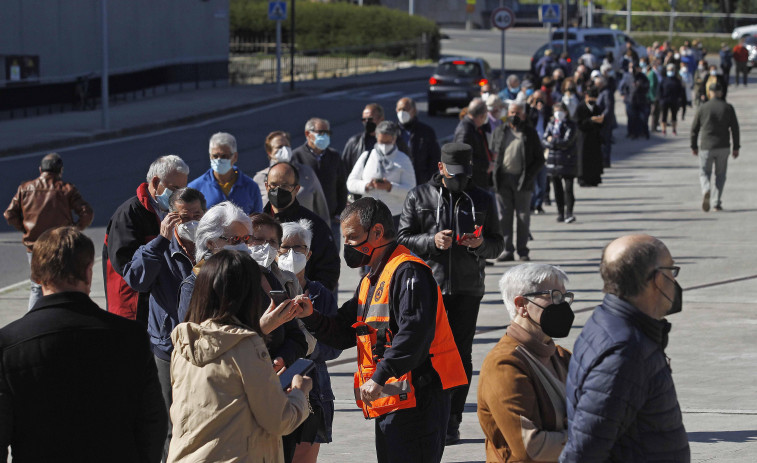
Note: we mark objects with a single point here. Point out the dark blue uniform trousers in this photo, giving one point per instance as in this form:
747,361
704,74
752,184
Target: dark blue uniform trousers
415,434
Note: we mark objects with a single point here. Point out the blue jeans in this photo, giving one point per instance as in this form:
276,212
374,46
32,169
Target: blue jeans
540,188
36,290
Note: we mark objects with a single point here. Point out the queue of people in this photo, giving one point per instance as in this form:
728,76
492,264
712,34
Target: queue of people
218,286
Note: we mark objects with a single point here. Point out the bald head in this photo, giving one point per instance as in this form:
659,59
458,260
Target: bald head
52,163
627,263
283,173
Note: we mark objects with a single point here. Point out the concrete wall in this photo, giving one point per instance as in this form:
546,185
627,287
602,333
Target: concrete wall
66,34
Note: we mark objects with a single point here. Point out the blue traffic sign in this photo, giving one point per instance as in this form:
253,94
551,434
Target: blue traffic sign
550,13
277,11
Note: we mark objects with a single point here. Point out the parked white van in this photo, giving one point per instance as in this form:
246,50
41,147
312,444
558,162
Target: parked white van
613,40
740,32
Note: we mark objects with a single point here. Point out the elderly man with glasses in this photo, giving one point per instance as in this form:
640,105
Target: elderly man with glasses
283,184
521,389
622,403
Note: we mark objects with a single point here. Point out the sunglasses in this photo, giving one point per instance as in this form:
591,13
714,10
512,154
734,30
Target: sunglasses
557,296
234,240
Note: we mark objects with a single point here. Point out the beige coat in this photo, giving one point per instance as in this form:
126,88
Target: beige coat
228,405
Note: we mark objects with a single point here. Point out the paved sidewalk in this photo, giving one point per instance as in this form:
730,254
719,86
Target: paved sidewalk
653,188
172,109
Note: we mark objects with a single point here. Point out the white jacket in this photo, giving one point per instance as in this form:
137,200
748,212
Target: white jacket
396,167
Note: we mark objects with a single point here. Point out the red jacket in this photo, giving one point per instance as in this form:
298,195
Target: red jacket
740,54
134,223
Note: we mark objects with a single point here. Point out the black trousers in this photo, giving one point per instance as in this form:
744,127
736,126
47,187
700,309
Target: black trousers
415,434
462,313
564,197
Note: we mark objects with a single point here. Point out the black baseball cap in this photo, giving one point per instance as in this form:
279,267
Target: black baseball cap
456,157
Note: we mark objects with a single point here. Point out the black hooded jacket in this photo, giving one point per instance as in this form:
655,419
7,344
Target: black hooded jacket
431,208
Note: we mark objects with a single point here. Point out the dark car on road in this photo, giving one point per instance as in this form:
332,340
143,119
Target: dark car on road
455,82
575,50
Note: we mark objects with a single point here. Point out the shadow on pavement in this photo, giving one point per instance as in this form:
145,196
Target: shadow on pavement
723,436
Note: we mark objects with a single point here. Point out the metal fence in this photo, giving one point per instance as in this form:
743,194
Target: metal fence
255,62
672,21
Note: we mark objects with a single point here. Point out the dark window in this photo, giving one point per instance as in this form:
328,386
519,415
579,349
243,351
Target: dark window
459,69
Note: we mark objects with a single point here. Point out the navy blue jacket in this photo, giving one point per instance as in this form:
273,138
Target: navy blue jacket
622,404
245,193
158,268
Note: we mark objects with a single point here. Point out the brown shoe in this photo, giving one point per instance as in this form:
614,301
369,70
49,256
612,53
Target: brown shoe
706,202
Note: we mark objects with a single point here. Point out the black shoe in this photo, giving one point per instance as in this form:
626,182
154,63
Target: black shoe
524,258
539,211
453,437
547,202
706,202
508,257
570,219
718,208
560,218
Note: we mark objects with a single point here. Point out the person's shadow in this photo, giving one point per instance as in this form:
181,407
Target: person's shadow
723,436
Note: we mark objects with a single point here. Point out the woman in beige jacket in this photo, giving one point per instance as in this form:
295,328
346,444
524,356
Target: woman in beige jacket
228,404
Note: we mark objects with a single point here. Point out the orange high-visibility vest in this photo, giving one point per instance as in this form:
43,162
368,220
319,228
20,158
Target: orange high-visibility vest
373,328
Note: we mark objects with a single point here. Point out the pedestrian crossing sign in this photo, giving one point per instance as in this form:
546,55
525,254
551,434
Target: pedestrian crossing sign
550,13
277,11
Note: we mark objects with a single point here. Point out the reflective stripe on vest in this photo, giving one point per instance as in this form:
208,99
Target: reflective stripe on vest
373,318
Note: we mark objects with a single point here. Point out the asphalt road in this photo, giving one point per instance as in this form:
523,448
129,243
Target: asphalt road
108,173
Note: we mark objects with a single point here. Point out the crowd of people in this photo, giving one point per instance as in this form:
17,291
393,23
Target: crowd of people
229,280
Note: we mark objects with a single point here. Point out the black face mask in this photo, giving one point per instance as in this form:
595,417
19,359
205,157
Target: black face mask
556,319
456,183
516,122
360,254
370,126
677,298
279,197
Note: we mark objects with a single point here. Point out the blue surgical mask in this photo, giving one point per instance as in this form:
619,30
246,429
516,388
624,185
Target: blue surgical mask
322,141
162,199
671,73
220,166
529,91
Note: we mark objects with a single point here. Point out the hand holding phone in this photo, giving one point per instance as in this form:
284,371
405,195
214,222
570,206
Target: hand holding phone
300,367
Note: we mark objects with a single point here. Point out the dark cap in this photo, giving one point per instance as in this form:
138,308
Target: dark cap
456,157
51,163
716,87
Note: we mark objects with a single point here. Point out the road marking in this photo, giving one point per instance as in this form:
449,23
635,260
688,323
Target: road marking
14,286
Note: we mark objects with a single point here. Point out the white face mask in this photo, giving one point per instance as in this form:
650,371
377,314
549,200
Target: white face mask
713,73
560,115
284,154
263,254
293,262
186,231
384,148
485,96
404,117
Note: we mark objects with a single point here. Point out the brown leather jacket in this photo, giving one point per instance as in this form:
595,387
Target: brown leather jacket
44,203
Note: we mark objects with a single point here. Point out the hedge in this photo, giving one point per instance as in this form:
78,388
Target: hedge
322,26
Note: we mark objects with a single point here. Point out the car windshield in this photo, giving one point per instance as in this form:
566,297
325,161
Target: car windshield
559,36
751,40
603,40
459,69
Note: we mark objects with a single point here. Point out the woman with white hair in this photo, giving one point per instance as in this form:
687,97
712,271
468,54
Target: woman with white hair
385,172
521,389
293,255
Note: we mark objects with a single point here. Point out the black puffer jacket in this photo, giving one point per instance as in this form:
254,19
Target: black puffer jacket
430,208
561,141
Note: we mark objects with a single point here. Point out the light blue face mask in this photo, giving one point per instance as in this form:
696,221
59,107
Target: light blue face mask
322,141
671,73
529,91
162,198
220,166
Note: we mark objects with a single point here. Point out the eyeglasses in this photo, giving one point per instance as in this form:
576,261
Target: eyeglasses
255,241
234,240
298,248
367,119
289,188
557,296
322,132
673,269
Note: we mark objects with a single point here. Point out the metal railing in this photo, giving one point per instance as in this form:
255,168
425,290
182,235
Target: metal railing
255,63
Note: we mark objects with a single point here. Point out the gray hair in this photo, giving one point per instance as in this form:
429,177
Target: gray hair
310,124
302,228
517,104
215,222
477,107
165,165
511,79
605,67
388,128
527,278
223,139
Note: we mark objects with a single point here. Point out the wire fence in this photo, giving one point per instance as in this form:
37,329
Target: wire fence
660,21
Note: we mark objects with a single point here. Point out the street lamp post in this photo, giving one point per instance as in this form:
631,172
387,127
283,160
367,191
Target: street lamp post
104,92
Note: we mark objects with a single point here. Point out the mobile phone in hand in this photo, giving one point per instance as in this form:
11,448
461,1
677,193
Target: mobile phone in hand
278,297
300,367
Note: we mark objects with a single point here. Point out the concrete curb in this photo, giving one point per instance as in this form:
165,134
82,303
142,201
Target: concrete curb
201,116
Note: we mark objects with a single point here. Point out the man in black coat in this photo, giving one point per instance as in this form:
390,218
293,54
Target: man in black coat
282,185
472,131
420,139
519,153
317,153
76,383
590,121
452,225
373,114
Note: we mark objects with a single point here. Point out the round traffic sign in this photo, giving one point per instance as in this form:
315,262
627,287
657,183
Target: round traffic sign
503,18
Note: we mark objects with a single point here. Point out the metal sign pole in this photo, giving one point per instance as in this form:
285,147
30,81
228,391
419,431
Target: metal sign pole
503,58
278,56
104,91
